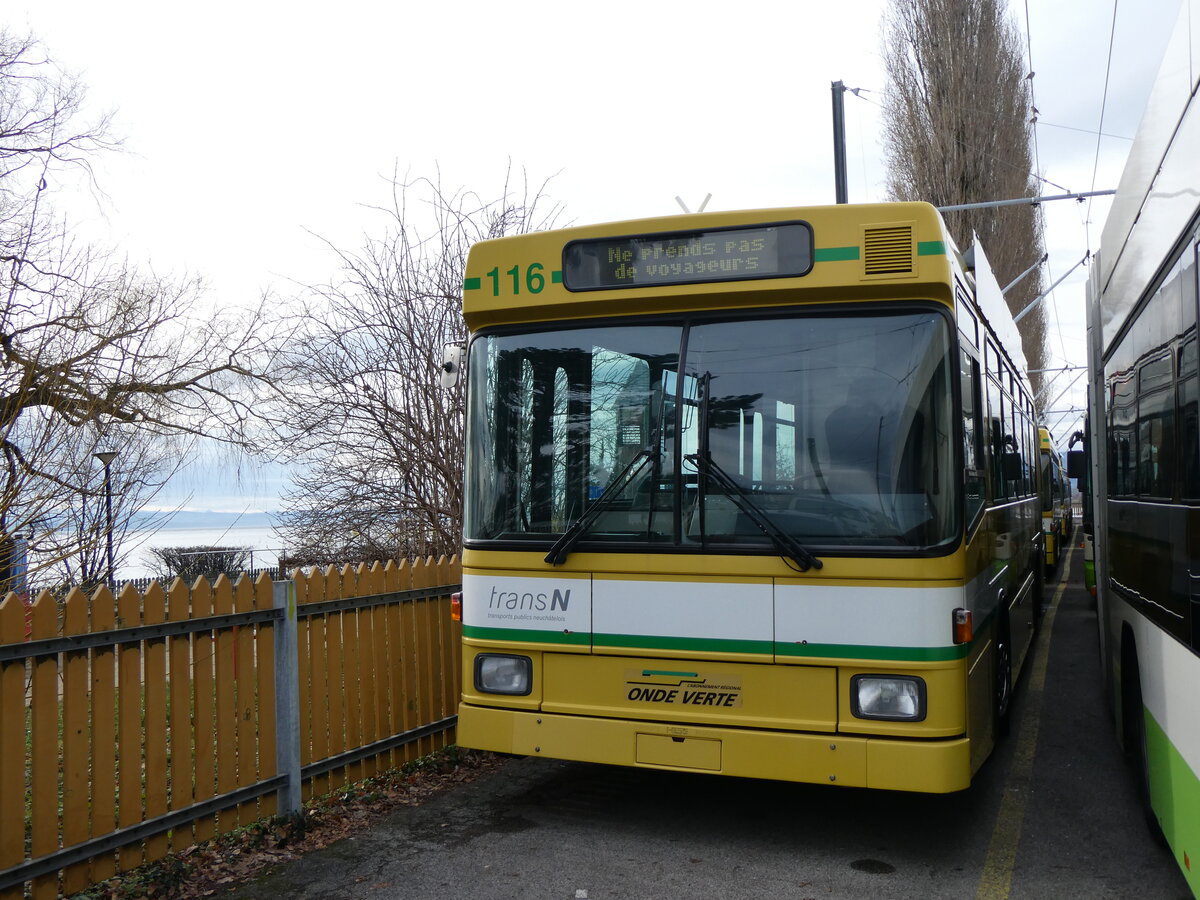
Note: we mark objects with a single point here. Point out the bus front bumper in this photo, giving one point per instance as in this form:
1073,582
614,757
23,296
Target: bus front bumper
935,766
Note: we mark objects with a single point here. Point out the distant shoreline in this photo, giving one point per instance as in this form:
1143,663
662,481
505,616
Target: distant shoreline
215,529
192,518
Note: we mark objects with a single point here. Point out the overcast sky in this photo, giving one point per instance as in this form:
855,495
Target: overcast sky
251,128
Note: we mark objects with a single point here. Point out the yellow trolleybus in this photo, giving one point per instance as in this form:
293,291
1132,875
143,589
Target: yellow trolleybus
750,493
1055,488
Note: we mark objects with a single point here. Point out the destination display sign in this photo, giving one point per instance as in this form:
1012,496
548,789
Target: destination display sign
724,254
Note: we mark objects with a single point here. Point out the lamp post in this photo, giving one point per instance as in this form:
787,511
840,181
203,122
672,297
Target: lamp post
106,457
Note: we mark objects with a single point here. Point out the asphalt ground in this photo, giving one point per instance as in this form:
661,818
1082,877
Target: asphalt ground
1052,814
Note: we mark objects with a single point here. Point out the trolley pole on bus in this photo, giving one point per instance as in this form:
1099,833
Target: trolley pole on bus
839,143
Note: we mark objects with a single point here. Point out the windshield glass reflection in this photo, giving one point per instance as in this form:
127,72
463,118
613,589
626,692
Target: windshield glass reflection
838,427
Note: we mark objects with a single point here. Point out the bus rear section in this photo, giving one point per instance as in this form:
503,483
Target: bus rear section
1055,491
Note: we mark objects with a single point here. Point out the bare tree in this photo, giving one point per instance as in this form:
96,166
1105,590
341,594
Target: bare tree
68,546
41,138
92,351
381,442
958,129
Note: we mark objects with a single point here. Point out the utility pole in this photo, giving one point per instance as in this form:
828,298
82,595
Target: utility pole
106,457
841,190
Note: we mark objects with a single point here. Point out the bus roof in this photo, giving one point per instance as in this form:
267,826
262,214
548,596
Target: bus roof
1157,185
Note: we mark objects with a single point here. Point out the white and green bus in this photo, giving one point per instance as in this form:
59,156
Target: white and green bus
1145,448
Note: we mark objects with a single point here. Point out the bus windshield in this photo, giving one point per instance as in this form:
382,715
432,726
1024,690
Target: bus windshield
837,425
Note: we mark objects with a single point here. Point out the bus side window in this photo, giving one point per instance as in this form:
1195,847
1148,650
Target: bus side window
1189,420
996,441
1025,430
1156,429
1018,440
973,459
1188,424
1031,452
1122,437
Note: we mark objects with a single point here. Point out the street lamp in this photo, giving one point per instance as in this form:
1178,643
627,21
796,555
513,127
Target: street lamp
106,457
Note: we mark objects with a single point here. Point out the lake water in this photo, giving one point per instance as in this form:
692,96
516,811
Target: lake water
262,540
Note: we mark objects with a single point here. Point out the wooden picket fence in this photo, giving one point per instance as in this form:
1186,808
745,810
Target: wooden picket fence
134,726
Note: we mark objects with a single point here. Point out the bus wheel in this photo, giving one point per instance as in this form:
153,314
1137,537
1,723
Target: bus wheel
1133,718
1002,695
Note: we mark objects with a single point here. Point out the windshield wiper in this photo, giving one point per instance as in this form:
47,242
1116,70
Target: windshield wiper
576,530
787,545
784,542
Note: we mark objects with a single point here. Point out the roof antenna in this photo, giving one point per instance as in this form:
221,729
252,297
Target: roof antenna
683,205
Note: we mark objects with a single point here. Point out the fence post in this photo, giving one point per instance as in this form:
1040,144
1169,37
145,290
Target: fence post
287,698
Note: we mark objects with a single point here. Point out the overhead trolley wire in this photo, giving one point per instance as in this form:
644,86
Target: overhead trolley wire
1112,36
1037,163
997,159
1115,137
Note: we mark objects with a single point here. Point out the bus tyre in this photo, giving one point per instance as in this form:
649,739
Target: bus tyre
1136,753
1002,694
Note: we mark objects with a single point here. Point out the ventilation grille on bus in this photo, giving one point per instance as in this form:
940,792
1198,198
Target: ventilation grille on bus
889,250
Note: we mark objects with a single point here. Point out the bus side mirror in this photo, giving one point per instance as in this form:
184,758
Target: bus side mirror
1076,464
453,358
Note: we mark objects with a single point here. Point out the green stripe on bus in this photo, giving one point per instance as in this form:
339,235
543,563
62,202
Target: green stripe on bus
719,645
471,284
530,635
883,654
661,642
556,276
931,248
1175,796
835,254
648,672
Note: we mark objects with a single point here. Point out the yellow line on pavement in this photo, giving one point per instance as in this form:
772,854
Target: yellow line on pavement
996,878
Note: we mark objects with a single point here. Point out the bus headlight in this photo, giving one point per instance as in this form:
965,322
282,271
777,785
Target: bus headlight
496,674
895,698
